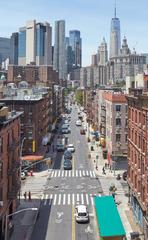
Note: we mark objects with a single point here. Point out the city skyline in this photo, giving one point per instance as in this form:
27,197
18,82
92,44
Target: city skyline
132,17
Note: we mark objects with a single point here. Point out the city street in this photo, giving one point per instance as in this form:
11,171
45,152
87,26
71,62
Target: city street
64,190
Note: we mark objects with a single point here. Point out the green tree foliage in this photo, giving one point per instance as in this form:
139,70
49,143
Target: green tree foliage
79,97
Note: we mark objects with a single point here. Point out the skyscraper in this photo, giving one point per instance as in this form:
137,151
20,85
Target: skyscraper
4,49
35,44
115,38
102,53
59,57
75,42
14,48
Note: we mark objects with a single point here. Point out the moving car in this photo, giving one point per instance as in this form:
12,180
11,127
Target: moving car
78,123
71,148
82,215
67,164
67,154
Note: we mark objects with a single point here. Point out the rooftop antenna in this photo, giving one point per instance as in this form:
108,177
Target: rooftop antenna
115,9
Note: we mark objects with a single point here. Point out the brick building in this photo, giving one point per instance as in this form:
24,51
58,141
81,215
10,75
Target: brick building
9,163
138,157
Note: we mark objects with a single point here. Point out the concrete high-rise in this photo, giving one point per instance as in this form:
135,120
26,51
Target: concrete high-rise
115,37
14,48
102,53
35,44
59,57
4,48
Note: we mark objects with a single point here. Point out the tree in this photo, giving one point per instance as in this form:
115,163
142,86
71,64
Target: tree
79,96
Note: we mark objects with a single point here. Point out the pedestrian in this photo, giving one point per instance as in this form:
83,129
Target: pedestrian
103,170
25,196
29,195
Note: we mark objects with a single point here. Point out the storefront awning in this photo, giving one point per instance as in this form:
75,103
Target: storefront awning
32,158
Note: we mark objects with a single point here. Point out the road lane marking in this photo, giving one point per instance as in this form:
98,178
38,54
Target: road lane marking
83,173
59,199
77,197
73,224
87,173
55,199
92,200
62,173
64,199
69,173
76,173
80,173
68,199
66,174
73,173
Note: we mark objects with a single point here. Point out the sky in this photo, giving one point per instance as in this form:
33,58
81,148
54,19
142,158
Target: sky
91,17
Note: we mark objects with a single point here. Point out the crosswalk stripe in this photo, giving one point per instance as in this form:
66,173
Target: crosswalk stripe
66,174
55,199
73,199
77,197
83,173
46,197
93,174
92,201
76,173
50,199
64,199
59,173
68,199
52,174
82,198
59,199
63,173
90,174
87,200
80,173
87,173
55,174
69,173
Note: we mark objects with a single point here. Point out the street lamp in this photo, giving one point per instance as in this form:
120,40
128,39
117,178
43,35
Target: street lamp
9,215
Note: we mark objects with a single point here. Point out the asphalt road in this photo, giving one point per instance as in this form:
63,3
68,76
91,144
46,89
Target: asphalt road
64,190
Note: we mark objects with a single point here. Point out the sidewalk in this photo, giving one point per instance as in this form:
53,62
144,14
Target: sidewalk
24,222
109,179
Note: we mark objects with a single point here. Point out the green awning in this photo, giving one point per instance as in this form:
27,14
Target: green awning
109,221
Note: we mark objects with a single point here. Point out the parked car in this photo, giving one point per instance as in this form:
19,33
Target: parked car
67,164
82,215
78,123
71,148
124,176
67,154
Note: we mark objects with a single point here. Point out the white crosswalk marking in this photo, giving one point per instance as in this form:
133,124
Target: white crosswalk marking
68,199
82,198
87,201
73,199
90,174
59,199
64,199
55,199
50,199
73,173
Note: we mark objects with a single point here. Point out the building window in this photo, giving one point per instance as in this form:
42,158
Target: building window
126,108
126,122
118,108
118,121
118,137
126,138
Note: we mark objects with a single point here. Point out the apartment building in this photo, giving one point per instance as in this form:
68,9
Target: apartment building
137,157
9,163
